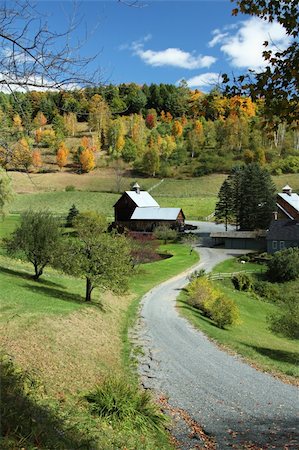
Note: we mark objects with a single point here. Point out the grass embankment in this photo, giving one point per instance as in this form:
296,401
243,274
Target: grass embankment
69,346
251,338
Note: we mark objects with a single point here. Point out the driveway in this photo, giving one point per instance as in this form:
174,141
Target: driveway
237,405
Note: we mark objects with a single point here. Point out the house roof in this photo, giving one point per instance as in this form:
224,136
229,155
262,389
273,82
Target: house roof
239,234
292,199
143,199
285,230
155,213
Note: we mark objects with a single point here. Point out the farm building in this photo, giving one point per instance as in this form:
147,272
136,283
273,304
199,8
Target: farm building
282,234
288,204
247,240
138,211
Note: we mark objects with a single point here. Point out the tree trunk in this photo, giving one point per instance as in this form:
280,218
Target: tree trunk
38,272
89,289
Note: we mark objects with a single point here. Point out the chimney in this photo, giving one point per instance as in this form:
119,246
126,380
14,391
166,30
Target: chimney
136,188
275,215
287,190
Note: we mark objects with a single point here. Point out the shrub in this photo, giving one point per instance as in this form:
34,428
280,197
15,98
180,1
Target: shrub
223,311
118,401
201,294
284,265
286,323
197,274
73,213
70,188
242,281
266,290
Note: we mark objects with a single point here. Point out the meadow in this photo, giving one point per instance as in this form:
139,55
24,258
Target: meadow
66,347
252,338
97,191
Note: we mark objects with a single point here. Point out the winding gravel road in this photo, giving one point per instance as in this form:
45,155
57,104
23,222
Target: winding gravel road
237,405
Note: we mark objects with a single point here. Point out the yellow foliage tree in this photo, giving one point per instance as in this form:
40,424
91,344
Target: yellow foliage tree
177,129
22,154
17,122
70,123
87,160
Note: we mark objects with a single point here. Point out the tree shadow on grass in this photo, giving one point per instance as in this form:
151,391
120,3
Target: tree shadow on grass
27,276
62,295
25,423
196,313
278,355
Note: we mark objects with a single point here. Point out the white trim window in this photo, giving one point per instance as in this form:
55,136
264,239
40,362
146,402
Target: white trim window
274,245
281,245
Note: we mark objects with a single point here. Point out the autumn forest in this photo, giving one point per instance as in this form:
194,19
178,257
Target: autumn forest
159,130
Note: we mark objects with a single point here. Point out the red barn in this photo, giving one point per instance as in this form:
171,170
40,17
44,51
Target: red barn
138,211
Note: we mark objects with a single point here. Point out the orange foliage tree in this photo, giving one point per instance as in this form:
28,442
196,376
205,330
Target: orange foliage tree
36,159
177,129
62,155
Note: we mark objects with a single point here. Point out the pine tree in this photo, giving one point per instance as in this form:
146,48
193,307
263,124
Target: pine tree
225,206
73,213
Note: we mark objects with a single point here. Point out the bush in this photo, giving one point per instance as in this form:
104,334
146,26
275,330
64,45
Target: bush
70,188
267,290
223,311
242,281
287,322
284,265
197,274
201,294
118,401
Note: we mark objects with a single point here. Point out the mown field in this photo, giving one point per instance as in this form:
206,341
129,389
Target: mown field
66,347
252,338
97,191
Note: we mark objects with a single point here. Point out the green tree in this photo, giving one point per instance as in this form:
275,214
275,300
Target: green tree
73,213
151,161
253,197
101,258
165,233
278,83
224,209
37,238
284,265
286,322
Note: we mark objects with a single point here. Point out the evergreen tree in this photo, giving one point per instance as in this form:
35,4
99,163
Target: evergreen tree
247,197
73,213
225,206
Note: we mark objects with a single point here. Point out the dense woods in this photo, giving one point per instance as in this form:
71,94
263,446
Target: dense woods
160,130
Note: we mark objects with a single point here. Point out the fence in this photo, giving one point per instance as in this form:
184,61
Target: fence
221,276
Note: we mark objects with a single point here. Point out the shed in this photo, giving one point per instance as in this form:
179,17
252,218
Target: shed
247,240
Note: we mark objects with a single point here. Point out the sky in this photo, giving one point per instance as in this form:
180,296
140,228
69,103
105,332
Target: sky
167,41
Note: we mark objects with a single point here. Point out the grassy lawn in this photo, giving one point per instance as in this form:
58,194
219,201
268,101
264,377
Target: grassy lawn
8,224
70,346
251,338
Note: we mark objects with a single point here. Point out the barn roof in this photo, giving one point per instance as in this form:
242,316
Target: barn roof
292,199
285,230
155,213
142,199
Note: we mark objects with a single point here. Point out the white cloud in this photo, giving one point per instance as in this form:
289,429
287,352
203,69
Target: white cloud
205,80
244,48
174,57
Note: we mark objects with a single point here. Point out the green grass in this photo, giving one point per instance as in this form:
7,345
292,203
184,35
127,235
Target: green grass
252,338
60,203
8,224
69,346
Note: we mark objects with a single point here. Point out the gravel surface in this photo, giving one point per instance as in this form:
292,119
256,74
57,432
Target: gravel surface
231,401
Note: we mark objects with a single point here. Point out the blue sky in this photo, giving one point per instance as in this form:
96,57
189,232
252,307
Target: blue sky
165,41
